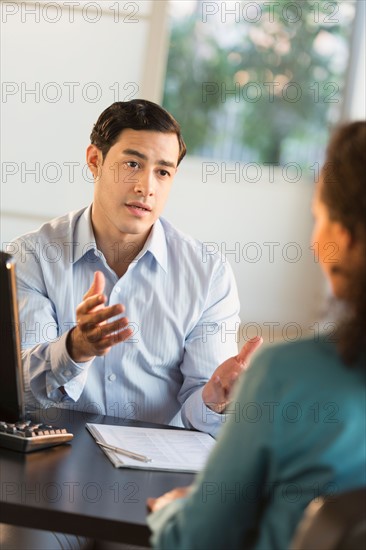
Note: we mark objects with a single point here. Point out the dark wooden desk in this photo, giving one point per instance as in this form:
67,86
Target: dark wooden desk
74,488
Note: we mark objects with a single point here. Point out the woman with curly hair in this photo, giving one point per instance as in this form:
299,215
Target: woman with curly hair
298,426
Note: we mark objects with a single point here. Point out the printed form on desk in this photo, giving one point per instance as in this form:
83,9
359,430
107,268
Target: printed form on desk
169,450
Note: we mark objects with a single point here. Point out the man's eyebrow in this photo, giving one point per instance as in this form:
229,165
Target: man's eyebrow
166,163
136,153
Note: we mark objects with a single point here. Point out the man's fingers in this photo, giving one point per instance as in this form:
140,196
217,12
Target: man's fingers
102,345
88,304
98,283
248,349
100,316
234,376
115,326
107,342
107,313
97,286
222,387
216,393
225,383
114,339
94,333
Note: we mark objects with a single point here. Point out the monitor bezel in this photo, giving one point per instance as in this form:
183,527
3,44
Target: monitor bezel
10,326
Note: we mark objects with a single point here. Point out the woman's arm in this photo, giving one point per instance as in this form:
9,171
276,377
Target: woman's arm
227,498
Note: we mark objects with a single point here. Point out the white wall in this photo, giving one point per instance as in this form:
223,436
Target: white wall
278,282
60,69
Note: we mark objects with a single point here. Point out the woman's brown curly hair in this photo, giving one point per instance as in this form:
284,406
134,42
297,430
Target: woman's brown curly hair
343,191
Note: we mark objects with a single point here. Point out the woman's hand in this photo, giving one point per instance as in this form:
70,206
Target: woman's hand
155,504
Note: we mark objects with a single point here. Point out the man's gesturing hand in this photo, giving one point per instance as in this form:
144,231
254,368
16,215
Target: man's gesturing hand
217,391
92,334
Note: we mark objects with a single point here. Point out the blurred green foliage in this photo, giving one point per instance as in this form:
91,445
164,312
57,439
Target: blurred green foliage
266,65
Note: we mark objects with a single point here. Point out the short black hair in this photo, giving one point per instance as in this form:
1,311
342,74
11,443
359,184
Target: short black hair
137,114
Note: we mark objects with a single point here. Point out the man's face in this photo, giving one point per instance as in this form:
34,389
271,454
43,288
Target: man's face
133,183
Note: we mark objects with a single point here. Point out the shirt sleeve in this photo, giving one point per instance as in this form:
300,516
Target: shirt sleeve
227,499
47,365
212,341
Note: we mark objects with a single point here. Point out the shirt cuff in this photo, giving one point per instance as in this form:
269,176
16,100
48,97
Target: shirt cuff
64,370
200,417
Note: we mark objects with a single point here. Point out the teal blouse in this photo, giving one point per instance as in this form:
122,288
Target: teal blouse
295,430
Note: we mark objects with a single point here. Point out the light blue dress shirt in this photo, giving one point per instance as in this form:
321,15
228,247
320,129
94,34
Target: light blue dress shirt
181,301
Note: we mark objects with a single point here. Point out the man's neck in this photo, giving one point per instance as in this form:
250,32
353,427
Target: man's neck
119,250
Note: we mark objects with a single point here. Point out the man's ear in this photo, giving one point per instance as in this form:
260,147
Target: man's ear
94,160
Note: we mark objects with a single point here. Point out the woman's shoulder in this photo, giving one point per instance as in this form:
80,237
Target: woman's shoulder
303,347
306,357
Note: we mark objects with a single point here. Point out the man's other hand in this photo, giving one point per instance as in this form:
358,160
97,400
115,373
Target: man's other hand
216,393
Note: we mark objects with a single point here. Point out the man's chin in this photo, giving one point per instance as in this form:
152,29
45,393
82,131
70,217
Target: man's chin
139,227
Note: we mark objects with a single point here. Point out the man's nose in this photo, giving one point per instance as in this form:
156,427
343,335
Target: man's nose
145,185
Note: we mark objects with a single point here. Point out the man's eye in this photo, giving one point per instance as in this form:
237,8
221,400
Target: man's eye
132,164
164,173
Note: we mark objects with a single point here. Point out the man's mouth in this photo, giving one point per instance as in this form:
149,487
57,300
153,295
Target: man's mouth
138,208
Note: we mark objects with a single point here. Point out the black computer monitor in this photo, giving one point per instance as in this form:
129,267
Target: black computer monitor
11,375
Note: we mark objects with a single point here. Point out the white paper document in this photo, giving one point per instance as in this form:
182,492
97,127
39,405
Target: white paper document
174,450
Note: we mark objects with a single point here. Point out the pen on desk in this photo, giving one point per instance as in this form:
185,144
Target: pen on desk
130,454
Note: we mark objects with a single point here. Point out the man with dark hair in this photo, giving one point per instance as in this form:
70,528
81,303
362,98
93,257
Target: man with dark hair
136,115
117,256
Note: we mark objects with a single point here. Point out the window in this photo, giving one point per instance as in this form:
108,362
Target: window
258,81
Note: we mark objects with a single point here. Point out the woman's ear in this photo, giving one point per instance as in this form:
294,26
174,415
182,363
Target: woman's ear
94,160
344,237
349,247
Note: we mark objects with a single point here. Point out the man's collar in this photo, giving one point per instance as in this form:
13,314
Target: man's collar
156,245
84,240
